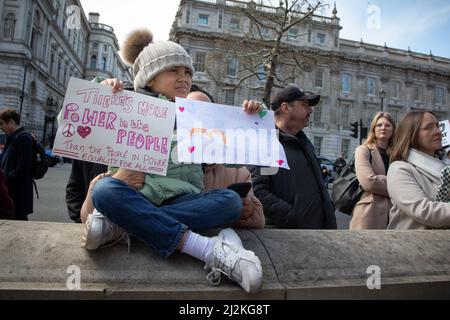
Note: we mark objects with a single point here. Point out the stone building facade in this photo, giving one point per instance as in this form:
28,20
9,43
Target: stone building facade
42,44
349,75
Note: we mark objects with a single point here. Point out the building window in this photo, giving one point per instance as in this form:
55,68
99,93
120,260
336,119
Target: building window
260,72
35,35
345,115
370,114
52,62
440,96
416,93
371,86
317,114
319,78
346,82
220,20
104,64
265,31
320,39
232,66
292,34
396,90
33,89
10,26
203,19
345,147
235,24
57,14
58,74
105,47
200,61
94,62
318,145
229,97
95,46
395,115
188,15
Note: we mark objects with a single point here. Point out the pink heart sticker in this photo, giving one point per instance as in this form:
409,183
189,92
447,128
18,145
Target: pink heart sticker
191,149
280,162
181,109
84,131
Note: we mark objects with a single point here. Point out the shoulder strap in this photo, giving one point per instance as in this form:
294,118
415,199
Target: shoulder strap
23,133
35,189
370,155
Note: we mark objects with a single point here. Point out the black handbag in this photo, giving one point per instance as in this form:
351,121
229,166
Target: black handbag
346,190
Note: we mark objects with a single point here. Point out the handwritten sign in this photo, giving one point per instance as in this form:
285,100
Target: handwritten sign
126,129
213,133
445,131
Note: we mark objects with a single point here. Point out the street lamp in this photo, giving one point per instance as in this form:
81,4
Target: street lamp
49,117
382,96
26,63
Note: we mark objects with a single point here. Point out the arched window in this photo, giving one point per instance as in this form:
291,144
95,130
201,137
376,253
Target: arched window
94,62
104,64
9,26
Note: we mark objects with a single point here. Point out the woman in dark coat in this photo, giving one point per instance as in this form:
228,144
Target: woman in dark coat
17,164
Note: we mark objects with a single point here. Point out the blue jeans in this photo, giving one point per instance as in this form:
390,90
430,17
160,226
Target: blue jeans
162,228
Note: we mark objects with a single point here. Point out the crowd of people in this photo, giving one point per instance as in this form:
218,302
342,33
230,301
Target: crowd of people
400,168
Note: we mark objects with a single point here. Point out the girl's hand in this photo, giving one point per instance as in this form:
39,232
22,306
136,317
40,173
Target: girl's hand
114,83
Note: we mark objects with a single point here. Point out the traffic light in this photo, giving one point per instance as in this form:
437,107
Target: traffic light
364,132
354,130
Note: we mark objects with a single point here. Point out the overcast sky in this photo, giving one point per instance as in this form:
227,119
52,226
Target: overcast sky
422,25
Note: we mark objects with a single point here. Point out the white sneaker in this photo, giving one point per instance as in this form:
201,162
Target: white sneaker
99,231
231,236
237,263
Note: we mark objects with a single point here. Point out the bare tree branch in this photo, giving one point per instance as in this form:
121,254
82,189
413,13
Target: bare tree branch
261,55
297,21
241,80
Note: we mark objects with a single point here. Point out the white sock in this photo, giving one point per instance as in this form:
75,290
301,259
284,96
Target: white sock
198,246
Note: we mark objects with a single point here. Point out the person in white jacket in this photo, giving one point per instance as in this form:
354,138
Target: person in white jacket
414,175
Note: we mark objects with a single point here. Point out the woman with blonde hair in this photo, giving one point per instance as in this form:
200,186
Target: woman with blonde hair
415,175
371,166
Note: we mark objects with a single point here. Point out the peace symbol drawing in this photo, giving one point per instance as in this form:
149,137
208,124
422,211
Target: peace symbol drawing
68,131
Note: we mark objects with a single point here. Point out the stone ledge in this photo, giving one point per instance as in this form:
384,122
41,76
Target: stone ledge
297,264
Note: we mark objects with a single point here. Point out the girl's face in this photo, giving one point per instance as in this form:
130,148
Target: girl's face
384,129
430,139
174,82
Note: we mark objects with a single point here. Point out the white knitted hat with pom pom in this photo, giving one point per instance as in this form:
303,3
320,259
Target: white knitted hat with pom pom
151,58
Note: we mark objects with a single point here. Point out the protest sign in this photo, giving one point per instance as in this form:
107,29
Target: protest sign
126,129
213,133
445,131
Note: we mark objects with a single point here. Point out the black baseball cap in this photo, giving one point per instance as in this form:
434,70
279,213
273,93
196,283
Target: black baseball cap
290,94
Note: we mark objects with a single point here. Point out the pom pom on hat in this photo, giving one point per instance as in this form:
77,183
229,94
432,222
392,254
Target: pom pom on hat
151,58
135,42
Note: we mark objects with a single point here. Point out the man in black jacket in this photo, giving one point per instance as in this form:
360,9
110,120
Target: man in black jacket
17,163
296,198
77,187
